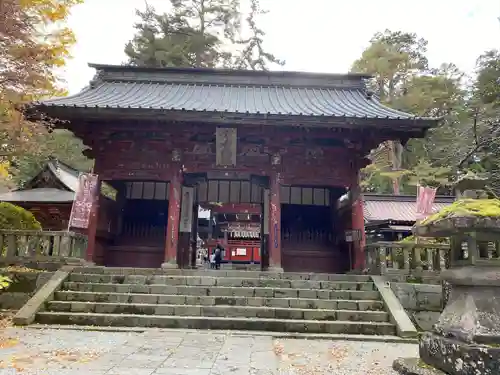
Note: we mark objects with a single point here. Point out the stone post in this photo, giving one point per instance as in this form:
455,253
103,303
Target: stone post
172,235
466,339
275,224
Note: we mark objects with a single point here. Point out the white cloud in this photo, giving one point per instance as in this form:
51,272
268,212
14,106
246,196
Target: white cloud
311,35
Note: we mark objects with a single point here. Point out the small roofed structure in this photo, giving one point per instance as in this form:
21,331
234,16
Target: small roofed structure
49,195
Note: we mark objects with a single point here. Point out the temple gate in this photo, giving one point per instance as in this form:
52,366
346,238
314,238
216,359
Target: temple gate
169,140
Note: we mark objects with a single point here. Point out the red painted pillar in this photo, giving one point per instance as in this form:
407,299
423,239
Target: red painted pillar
275,224
93,222
172,235
358,223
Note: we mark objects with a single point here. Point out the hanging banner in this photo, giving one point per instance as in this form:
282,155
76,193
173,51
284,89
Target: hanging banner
84,200
186,222
425,200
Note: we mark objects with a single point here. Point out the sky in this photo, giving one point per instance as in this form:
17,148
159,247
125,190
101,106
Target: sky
310,35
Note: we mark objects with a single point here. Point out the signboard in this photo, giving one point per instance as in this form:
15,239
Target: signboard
425,200
352,235
186,222
225,140
84,200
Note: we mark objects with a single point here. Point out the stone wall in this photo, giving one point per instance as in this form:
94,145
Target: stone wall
22,289
422,302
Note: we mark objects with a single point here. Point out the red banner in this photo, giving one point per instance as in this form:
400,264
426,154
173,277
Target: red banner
84,199
425,200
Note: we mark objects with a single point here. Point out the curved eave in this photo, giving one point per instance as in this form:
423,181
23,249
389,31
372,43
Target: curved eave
72,113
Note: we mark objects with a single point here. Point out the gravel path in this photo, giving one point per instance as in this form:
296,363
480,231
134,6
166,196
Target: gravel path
176,352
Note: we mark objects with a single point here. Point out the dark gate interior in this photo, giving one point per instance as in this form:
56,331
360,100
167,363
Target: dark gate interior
308,231
140,241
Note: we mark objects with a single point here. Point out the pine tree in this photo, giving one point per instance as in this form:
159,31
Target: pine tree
200,33
253,55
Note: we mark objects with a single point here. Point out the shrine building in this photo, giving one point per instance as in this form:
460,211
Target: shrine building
270,153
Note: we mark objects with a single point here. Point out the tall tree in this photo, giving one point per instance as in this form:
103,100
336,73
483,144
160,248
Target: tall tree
254,56
199,33
392,58
475,144
34,41
161,40
404,81
192,34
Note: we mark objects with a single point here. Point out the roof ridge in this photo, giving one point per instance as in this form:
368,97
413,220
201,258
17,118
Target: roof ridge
225,71
344,87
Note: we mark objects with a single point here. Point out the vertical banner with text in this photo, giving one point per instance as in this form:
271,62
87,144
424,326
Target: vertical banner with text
187,201
84,200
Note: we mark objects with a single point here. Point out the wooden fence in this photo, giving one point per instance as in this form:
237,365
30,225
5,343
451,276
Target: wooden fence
31,244
406,258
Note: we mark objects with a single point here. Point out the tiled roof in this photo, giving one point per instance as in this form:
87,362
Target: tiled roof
237,92
396,208
67,175
42,195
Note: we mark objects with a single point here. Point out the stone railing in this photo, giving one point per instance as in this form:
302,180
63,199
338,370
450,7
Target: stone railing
31,244
406,258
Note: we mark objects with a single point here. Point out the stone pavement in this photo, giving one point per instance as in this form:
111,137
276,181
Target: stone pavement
52,351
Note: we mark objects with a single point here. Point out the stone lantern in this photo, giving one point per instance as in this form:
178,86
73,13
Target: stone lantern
466,339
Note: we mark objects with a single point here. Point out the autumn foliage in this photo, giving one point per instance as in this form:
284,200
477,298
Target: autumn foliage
34,42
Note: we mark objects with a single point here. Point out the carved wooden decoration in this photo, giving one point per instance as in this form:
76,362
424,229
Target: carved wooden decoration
202,149
276,159
225,146
252,150
176,154
314,153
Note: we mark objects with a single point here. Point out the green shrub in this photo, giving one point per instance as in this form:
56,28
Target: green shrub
15,217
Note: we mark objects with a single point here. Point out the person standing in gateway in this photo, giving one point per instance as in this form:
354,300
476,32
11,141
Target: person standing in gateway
218,256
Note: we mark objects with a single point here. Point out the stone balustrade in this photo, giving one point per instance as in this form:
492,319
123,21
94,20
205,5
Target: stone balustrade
35,244
405,259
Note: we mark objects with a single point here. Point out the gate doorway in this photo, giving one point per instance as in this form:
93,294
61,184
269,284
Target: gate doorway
236,204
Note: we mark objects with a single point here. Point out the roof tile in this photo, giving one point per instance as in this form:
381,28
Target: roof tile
383,209
266,93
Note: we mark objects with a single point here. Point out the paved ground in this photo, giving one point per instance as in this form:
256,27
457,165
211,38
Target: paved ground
175,352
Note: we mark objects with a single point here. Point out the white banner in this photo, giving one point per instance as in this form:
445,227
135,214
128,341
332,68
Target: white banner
186,220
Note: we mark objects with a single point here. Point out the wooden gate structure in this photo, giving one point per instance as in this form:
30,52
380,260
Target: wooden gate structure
161,136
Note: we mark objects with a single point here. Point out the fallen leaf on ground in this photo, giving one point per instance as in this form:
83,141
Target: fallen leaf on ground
338,354
278,348
8,342
5,322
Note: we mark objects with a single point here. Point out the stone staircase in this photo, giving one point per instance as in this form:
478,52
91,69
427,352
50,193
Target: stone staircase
209,299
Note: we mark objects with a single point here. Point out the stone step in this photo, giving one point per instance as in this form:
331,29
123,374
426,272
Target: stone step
200,322
221,281
221,273
218,311
302,303
222,291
